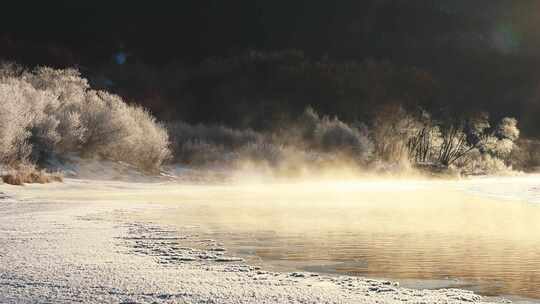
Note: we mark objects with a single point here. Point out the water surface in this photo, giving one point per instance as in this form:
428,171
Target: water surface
480,234
483,235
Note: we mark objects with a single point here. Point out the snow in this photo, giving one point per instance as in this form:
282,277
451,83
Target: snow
59,244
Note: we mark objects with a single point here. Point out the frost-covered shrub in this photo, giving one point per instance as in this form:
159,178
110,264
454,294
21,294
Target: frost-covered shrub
182,132
50,112
266,152
333,135
392,130
526,155
200,153
10,69
67,85
501,148
16,118
507,129
477,163
327,138
143,140
200,144
308,122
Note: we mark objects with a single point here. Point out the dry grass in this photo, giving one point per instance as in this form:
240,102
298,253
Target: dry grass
29,174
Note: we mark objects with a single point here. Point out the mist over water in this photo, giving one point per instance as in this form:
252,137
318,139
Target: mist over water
481,234
345,138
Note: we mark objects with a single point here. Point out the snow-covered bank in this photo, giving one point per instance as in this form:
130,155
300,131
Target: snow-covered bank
98,250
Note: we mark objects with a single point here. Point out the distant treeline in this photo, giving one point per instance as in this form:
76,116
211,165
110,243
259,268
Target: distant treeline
47,114
187,60
261,90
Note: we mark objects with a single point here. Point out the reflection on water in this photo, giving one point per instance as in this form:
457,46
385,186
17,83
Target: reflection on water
401,230
481,232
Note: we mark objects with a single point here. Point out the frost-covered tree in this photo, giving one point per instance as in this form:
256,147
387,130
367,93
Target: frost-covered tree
470,143
393,129
423,146
507,129
48,112
15,119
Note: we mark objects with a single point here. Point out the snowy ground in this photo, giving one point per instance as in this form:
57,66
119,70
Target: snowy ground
87,247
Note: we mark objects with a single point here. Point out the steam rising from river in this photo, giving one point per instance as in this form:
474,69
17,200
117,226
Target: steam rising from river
481,231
